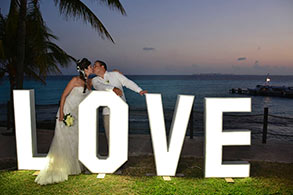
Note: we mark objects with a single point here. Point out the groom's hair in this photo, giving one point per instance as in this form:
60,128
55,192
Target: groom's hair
102,64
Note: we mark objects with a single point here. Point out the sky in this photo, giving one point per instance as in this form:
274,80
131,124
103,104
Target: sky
182,37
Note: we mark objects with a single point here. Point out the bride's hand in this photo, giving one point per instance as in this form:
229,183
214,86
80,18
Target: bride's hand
61,116
116,70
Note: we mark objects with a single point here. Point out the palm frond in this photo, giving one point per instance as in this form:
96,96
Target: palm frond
77,9
114,4
52,36
30,73
62,57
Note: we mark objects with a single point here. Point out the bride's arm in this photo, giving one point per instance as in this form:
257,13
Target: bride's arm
90,83
65,93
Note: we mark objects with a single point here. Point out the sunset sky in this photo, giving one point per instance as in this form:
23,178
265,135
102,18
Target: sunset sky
182,37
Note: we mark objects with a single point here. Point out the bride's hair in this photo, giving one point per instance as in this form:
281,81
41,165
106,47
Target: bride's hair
81,65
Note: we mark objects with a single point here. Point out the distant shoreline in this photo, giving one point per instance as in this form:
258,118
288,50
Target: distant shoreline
193,74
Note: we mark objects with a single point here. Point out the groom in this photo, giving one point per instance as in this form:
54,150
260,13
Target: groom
114,81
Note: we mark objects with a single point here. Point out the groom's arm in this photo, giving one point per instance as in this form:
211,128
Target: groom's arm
128,83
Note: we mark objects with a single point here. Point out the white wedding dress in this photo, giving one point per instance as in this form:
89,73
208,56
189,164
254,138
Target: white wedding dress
62,159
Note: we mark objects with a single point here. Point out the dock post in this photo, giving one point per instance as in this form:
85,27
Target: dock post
265,125
8,119
191,124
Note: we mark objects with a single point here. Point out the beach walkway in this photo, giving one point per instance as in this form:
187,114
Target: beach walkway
273,151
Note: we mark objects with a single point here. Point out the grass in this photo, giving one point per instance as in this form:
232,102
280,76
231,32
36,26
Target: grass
266,178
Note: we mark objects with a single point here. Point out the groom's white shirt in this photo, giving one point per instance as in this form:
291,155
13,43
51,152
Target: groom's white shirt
111,80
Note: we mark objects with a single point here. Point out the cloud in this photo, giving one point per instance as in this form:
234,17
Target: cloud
241,58
195,65
148,49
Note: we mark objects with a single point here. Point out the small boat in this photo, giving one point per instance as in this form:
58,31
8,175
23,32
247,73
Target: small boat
266,90
269,90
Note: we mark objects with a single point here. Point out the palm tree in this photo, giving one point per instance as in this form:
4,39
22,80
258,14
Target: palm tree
25,41
42,56
69,8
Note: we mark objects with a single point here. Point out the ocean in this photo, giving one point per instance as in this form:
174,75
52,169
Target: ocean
170,86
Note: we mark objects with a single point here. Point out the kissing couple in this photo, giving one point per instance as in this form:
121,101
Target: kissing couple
62,158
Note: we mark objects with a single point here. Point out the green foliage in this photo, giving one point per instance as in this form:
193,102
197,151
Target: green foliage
134,181
42,55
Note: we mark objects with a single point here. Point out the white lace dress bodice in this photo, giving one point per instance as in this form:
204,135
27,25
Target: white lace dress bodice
62,159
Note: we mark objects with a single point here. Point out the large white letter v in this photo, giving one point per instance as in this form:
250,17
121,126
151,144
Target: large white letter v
166,158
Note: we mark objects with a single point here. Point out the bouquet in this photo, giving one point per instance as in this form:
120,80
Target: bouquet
68,120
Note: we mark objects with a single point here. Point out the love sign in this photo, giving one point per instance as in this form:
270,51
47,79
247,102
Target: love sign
166,153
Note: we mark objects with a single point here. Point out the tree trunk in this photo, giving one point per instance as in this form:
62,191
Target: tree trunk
11,105
20,55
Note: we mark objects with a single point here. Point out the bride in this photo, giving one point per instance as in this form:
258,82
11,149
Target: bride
62,159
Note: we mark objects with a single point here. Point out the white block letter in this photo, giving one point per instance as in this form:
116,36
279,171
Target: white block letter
166,158
118,133
216,138
25,131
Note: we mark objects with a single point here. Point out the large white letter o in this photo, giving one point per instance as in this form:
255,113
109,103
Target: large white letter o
118,133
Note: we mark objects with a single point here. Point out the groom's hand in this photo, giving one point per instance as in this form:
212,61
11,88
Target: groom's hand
143,92
117,91
116,70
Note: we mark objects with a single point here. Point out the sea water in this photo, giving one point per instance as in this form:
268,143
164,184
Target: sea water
170,86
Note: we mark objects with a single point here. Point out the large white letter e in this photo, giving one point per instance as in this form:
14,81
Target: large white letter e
216,138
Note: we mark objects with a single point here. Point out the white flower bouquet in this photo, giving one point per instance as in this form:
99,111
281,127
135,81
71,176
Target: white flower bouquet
68,120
